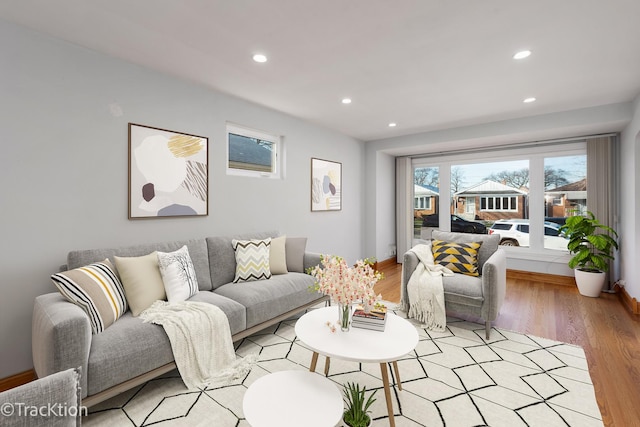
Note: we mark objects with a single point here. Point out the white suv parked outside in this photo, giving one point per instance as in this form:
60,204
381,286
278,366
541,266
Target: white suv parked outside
515,232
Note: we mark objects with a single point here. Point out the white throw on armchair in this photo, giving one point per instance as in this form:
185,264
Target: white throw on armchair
480,296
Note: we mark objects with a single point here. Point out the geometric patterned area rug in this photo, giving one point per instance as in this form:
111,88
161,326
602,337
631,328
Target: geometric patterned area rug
454,378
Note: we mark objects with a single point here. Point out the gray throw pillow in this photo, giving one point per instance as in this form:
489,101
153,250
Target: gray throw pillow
295,248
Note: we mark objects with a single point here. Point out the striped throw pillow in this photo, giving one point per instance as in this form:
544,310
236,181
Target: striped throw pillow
252,259
97,290
457,257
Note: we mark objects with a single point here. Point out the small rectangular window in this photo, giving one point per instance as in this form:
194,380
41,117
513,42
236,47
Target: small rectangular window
253,153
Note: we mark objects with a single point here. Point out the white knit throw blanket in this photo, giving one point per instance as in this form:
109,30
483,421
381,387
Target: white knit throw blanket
201,342
424,298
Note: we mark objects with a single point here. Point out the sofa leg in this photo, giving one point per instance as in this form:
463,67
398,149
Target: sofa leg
487,327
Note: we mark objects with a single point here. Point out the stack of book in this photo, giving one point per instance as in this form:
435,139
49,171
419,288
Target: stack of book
375,319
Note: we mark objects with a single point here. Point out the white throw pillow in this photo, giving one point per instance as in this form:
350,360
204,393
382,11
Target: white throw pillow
278,255
252,259
178,274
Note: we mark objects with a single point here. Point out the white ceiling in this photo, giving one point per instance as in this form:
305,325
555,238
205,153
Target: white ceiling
425,64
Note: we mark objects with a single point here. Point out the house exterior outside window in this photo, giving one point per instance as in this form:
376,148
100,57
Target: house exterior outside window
470,205
423,202
253,153
499,203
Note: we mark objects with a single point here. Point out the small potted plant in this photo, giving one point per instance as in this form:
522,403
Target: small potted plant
592,244
357,411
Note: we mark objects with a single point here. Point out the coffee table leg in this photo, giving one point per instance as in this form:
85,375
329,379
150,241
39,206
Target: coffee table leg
387,393
327,362
314,362
397,372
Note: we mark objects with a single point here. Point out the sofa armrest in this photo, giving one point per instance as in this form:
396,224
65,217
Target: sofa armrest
409,263
494,284
311,259
61,337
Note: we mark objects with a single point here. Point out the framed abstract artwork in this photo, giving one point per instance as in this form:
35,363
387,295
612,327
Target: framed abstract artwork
168,173
326,185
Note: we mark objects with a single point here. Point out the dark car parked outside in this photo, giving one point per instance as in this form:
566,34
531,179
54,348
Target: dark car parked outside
560,220
458,224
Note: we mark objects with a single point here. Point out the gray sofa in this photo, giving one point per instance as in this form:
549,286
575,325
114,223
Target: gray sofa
480,296
130,352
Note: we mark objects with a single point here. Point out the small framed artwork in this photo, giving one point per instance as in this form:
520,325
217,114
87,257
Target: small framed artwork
168,173
326,185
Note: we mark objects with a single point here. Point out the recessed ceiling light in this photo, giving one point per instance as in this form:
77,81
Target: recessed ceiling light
392,125
528,100
346,100
258,57
522,54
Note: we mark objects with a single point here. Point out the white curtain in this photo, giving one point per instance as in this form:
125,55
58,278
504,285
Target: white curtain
404,206
602,198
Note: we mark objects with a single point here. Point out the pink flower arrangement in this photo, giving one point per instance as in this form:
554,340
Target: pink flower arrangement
344,284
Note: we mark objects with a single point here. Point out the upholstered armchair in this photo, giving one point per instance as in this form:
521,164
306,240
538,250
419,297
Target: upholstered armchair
51,401
480,296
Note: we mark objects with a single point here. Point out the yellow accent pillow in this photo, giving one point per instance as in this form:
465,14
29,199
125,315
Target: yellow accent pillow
457,257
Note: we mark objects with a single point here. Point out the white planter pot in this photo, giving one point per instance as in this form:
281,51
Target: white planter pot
590,283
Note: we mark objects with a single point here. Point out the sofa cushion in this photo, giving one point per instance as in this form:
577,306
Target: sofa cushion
131,347
490,243
141,280
222,257
295,248
457,257
197,251
178,274
278,255
266,299
127,349
97,290
463,286
252,259
236,313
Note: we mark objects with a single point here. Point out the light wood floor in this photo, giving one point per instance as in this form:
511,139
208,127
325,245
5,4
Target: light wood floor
608,333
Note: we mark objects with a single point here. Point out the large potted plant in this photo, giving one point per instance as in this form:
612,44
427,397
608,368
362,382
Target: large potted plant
357,412
592,244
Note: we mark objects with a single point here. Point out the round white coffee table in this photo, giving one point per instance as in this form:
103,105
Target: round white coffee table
359,345
293,398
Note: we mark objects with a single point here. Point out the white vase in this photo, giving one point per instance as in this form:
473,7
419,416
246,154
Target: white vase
590,283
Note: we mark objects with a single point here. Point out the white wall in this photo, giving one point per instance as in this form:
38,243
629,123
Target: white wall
63,169
608,118
630,208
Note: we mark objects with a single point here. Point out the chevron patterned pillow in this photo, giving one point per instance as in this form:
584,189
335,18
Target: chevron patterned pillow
252,259
457,257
